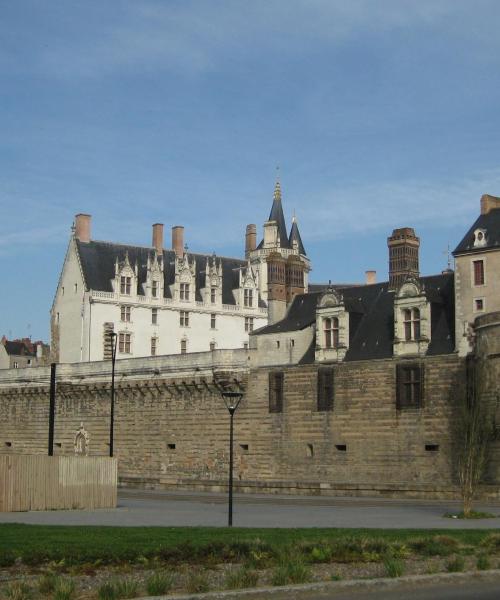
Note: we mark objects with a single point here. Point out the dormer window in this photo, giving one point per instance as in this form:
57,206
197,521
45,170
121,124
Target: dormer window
248,297
184,291
412,319
480,238
331,330
213,295
411,323
125,285
154,289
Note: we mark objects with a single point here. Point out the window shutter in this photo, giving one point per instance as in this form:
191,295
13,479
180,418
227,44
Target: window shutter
421,369
325,393
275,391
400,397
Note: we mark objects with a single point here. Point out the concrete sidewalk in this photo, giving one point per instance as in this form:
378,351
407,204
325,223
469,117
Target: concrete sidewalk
152,508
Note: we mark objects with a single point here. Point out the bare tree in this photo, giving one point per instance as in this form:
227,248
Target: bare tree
475,432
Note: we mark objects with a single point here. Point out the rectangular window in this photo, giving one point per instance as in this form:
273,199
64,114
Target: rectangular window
184,318
478,304
248,324
125,314
213,295
478,272
409,386
154,289
276,391
212,345
124,343
154,316
325,389
125,285
248,297
212,321
183,346
184,291
154,342
15,365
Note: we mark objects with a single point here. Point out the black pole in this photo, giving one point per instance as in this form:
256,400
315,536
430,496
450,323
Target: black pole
230,514
52,407
112,417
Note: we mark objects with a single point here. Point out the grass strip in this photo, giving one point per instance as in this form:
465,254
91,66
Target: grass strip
37,544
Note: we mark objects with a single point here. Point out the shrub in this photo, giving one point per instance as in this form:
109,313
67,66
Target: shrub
126,588
7,558
47,583
335,577
160,583
456,565
19,590
483,562
241,578
292,571
492,542
394,567
64,589
197,582
438,545
106,591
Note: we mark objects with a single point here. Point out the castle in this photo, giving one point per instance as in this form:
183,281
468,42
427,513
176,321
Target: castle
169,301
347,389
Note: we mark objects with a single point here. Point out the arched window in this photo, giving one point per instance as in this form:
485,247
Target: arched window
411,321
331,329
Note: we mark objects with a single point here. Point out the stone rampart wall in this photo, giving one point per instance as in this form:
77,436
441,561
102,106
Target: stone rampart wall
172,429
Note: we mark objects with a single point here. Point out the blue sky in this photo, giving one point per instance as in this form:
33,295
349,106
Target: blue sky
380,114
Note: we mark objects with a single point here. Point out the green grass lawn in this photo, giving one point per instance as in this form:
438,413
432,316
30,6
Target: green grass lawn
37,544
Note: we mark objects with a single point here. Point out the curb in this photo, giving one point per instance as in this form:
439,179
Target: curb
290,592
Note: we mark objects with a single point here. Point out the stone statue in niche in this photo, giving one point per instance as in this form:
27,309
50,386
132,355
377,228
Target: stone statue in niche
82,442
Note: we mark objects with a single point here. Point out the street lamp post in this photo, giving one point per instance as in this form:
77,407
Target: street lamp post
232,401
114,338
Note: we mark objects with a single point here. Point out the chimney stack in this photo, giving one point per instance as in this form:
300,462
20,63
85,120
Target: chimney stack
178,240
250,239
82,227
489,203
403,256
158,237
370,277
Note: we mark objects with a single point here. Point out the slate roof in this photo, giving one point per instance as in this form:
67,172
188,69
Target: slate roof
490,222
371,318
295,235
18,349
98,264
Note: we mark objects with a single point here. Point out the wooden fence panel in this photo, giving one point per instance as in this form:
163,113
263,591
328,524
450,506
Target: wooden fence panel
37,482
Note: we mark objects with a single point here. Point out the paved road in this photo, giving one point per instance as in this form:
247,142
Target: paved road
459,591
137,508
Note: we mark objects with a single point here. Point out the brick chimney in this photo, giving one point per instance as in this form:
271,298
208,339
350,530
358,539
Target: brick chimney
82,227
250,239
370,277
178,239
403,256
489,203
158,237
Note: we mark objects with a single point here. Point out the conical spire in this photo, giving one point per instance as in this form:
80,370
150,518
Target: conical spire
277,215
295,236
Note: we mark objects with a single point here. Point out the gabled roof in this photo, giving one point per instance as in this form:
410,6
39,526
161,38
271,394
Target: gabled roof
371,318
491,223
295,236
98,264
